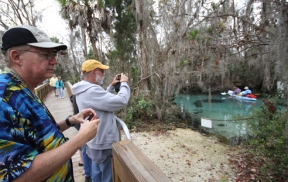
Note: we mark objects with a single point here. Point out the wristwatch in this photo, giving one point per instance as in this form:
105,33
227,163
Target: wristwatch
68,122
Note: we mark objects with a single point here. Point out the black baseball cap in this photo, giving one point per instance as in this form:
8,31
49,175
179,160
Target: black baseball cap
28,35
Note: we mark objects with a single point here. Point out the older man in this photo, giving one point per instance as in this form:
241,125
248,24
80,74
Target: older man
90,93
32,145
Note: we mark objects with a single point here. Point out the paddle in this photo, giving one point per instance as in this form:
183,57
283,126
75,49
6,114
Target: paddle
223,93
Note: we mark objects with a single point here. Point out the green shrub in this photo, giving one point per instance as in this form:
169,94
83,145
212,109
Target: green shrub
268,141
140,109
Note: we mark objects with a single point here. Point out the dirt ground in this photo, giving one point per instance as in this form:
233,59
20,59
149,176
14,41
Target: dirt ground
186,155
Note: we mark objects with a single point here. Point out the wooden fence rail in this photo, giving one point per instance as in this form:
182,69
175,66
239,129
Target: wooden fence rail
130,164
43,90
68,86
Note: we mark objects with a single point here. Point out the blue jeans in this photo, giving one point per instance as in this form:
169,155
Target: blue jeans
60,92
87,162
102,172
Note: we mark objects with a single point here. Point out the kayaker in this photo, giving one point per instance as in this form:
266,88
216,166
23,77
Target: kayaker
236,90
246,91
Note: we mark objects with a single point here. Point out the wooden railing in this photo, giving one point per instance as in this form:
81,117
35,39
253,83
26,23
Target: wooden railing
68,86
130,164
43,90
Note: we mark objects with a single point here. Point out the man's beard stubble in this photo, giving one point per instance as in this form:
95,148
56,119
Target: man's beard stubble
99,80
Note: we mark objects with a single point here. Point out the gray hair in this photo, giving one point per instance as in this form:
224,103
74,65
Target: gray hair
86,74
81,76
6,53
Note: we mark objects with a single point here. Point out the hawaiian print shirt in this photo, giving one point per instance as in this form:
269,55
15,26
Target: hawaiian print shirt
26,129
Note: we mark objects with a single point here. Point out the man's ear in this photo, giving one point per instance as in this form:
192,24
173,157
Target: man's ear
15,57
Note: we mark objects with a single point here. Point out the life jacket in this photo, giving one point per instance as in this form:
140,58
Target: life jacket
251,96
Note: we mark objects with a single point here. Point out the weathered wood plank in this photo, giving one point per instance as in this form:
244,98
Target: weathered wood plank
131,164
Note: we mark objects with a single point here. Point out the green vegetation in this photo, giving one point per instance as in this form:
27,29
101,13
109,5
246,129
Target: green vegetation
124,36
141,113
193,34
140,109
91,54
269,141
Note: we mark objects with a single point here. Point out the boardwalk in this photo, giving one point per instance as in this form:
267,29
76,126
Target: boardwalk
60,109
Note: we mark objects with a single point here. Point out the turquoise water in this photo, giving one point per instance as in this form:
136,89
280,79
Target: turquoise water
229,116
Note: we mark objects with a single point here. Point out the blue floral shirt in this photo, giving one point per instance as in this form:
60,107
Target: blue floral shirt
26,129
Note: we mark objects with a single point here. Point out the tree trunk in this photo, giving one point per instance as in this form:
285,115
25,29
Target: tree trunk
144,64
85,51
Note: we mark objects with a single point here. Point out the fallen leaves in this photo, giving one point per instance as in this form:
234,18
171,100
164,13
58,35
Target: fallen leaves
247,166
188,162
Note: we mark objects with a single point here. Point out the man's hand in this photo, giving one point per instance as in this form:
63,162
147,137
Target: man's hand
124,78
88,130
115,80
80,117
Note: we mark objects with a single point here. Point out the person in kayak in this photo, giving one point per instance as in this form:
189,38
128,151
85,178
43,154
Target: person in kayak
236,90
246,91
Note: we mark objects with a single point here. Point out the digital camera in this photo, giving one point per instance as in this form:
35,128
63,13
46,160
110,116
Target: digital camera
119,77
117,85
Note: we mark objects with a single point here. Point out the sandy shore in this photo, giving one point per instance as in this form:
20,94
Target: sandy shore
186,155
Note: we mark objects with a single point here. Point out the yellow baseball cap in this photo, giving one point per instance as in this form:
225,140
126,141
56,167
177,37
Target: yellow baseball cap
92,64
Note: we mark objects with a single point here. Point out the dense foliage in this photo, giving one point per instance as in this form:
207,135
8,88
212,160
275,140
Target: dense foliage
269,141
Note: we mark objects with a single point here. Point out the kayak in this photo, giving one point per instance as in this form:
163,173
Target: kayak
238,97
243,98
